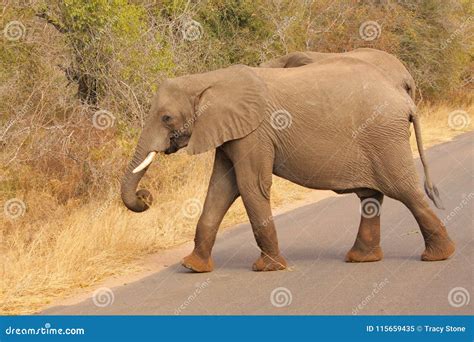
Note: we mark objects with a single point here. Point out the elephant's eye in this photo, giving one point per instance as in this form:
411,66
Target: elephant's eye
166,118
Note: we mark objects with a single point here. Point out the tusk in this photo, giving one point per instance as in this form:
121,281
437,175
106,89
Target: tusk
149,158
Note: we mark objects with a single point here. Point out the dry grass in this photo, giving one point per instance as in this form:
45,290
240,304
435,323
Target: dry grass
45,259
442,122
81,244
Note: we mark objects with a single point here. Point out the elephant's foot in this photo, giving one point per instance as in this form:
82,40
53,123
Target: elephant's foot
364,255
438,249
198,264
269,263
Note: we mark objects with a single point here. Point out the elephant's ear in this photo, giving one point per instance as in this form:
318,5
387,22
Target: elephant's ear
231,106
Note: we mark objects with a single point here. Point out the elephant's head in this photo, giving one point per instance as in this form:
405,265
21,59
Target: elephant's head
201,112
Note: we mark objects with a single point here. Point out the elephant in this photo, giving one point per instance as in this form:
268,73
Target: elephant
339,125
387,63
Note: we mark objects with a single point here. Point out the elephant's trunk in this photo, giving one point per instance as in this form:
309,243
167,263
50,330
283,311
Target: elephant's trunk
134,200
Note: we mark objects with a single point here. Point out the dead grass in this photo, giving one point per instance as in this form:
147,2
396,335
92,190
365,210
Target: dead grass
442,122
47,257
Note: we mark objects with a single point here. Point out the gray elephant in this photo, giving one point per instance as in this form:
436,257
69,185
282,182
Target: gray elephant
390,65
347,132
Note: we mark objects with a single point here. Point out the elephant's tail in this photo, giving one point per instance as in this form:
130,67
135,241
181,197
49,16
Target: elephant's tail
430,188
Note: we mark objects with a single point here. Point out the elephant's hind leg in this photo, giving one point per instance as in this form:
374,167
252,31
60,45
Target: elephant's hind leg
404,186
398,178
438,245
367,244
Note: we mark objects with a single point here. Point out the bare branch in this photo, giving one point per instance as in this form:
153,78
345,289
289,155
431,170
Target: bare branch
57,26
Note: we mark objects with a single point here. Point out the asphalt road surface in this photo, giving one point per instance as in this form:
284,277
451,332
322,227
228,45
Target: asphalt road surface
314,239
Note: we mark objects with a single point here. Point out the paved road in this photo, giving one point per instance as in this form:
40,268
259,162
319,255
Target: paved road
314,239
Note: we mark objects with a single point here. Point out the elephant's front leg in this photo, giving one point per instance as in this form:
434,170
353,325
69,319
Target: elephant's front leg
254,179
367,244
221,194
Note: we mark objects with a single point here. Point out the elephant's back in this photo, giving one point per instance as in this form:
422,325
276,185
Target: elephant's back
335,88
